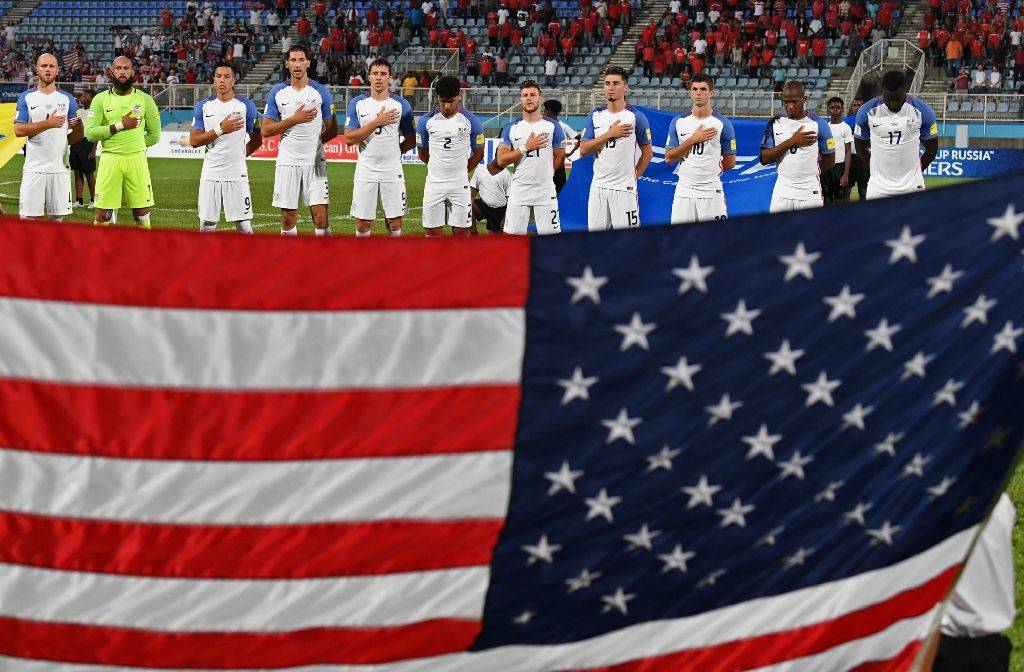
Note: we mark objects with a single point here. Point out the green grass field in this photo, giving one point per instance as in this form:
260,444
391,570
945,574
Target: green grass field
176,182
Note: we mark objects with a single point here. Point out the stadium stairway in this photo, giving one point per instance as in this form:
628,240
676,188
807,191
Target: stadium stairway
623,55
270,62
20,10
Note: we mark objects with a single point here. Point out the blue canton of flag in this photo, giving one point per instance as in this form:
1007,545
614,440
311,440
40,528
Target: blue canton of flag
803,406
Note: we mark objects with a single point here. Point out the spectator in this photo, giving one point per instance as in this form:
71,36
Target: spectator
408,84
551,72
485,71
980,80
501,70
954,55
995,80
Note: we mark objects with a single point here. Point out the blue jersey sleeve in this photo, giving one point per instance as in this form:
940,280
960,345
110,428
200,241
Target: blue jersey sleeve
642,128
271,112
251,116
476,132
929,127
352,115
422,137
21,116
588,128
768,141
73,104
860,127
728,139
672,140
826,143
506,135
326,101
557,135
197,116
405,123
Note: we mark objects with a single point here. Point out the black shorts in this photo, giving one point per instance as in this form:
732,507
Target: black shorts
973,654
830,183
559,179
80,161
495,217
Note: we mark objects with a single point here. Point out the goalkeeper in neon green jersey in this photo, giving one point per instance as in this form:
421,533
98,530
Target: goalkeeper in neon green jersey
126,121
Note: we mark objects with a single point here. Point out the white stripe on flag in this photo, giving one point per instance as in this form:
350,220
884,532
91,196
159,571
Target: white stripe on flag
781,613
241,605
436,487
118,345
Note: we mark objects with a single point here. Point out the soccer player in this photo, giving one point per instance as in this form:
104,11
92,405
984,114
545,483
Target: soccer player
451,143
126,121
553,108
535,145
612,134
889,134
381,123
489,189
221,123
301,111
83,159
705,142
837,180
48,117
802,146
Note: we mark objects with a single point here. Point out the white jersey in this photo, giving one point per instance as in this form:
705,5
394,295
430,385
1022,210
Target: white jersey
225,156
842,134
615,163
700,173
46,152
493,189
895,139
534,180
380,154
450,141
300,145
798,168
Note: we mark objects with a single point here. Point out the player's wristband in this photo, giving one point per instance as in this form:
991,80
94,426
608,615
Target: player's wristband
218,131
119,126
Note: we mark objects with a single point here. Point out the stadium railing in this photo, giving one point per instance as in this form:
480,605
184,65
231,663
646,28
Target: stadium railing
444,61
888,54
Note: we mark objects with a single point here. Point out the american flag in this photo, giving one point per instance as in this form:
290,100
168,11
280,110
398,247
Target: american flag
762,444
72,59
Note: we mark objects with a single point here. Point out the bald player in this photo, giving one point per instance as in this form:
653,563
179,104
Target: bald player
125,121
48,117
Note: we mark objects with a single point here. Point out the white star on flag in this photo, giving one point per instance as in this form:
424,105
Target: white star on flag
663,459
644,538
888,445
621,427
541,551
740,320
794,466
799,263
617,601
855,416
769,539
884,534
797,558
829,493
783,359
587,286
821,390
702,493
843,303
978,311
856,514
711,579
1007,339
693,276
524,618
577,387
915,365
943,282
916,466
1006,225
601,506
723,410
735,514
881,336
947,394
676,559
680,374
582,581
940,489
635,333
762,443
970,416
904,247
563,479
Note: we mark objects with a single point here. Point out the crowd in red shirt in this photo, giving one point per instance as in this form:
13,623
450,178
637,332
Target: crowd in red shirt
959,34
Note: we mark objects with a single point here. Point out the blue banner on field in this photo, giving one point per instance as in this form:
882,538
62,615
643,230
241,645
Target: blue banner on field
975,162
748,187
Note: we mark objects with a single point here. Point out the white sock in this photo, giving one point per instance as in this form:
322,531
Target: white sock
244,225
395,232
207,227
362,234
322,232
142,221
294,231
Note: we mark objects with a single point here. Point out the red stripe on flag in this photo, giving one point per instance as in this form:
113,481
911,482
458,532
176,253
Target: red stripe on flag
254,426
899,663
245,552
770,649
64,262
74,643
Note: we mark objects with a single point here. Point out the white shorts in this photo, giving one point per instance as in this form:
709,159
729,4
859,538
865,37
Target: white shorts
445,204
874,192
691,209
364,199
612,209
235,198
45,194
296,186
783,204
517,217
